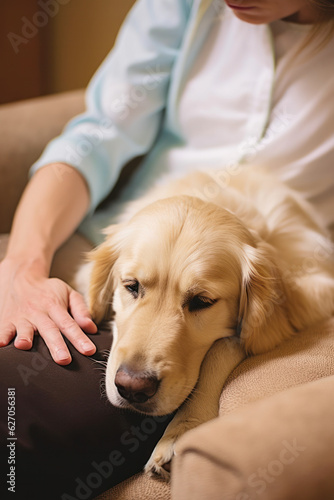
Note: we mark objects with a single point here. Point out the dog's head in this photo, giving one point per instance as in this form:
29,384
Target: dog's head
180,275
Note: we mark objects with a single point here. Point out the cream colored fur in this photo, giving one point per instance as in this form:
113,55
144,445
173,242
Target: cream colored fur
245,242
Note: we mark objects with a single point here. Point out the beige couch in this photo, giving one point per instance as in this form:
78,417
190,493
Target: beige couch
274,438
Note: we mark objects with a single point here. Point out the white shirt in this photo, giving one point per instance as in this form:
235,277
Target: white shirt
215,108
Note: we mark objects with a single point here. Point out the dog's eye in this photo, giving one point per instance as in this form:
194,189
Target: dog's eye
133,288
198,302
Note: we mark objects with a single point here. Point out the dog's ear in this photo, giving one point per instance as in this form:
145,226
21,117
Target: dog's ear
264,303
101,283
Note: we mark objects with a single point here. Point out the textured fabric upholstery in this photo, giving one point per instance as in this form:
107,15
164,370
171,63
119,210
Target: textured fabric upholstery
25,129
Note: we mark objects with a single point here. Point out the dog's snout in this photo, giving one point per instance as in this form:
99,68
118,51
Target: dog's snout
135,387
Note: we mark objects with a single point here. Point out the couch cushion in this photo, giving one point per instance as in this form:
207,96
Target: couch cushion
25,129
305,357
278,448
140,486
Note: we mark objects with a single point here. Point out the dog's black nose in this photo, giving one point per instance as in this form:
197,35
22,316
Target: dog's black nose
135,387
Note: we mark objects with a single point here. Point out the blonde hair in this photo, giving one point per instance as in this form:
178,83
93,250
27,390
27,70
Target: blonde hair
319,35
323,29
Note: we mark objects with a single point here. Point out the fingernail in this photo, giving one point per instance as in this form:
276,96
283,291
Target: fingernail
24,344
86,346
62,354
26,341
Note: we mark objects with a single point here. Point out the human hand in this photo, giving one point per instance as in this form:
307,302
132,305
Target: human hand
31,303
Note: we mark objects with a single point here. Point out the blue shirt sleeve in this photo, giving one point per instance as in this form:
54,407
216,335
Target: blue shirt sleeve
125,99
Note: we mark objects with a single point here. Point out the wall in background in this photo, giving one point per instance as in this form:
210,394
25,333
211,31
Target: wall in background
21,52
49,46
82,35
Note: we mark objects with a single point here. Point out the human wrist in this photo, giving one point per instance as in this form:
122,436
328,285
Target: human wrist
37,264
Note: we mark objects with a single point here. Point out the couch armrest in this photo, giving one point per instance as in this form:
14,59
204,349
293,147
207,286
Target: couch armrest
277,448
25,129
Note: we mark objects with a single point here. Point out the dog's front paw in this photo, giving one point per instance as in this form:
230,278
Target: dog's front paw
160,460
159,463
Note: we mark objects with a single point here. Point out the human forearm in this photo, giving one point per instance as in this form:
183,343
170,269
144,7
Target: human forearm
53,204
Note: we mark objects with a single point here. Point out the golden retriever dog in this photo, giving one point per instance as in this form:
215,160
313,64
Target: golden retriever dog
197,275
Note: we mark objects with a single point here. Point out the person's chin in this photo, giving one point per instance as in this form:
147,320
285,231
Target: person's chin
250,15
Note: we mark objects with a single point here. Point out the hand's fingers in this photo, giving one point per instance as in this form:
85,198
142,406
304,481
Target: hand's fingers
7,333
24,335
68,327
80,312
54,340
